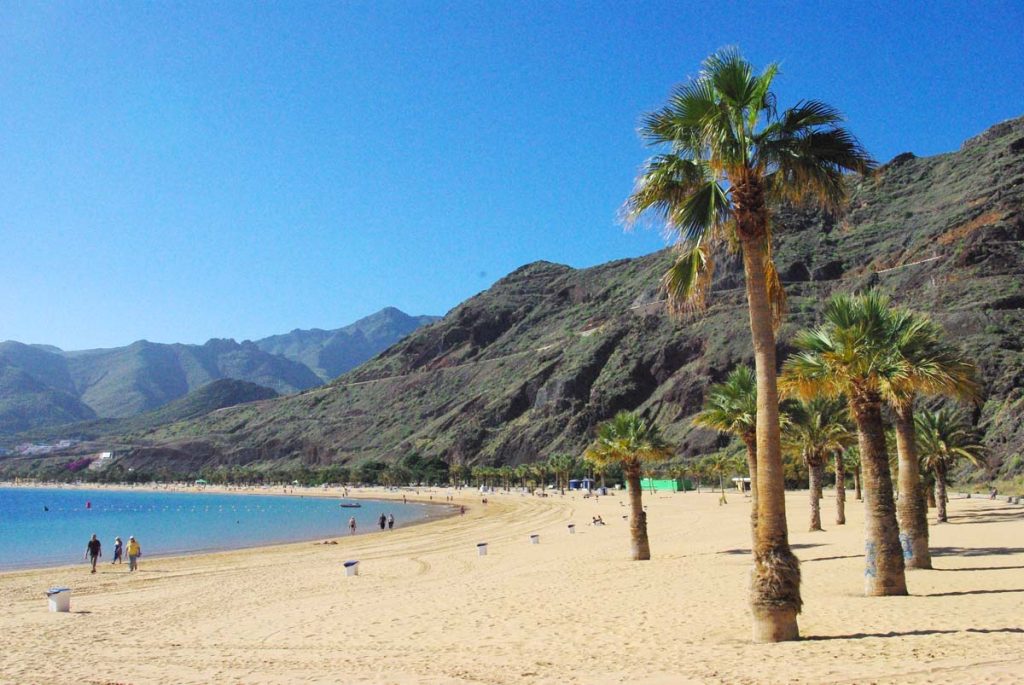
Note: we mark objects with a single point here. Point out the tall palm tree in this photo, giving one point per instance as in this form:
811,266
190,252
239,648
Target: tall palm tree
855,354
731,407
631,441
934,368
943,439
814,429
729,155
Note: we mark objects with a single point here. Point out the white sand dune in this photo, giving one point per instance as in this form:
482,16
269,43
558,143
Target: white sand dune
573,609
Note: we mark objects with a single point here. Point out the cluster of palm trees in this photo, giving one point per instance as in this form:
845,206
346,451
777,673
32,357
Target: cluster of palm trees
559,467
727,155
867,356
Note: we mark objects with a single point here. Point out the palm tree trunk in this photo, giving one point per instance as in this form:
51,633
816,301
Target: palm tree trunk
857,473
641,548
840,489
775,582
911,508
816,474
940,495
750,440
884,573
930,497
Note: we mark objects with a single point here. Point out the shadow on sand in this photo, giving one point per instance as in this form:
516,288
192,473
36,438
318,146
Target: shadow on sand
807,545
961,593
910,633
975,551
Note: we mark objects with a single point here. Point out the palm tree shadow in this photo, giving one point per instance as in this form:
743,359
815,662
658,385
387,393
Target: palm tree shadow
987,516
974,551
910,633
980,568
960,593
861,636
805,545
841,556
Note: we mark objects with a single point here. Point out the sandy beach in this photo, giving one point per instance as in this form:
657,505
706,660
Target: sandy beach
572,609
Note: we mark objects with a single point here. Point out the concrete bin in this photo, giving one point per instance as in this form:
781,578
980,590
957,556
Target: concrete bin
59,598
481,549
535,539
572,529
352,568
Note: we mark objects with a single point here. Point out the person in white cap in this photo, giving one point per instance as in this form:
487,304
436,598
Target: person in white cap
134,552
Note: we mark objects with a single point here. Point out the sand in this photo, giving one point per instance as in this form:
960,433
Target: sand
572,609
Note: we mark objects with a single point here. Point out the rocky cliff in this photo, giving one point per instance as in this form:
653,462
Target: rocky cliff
530,366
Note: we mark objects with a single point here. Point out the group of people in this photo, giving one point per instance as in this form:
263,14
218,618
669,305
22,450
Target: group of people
385,521
94,550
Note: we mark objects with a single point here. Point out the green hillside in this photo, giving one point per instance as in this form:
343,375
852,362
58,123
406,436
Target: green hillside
530,366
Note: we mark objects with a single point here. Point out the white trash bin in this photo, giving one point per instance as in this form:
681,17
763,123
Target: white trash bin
351,568
60,598
481,549
572,529
535,539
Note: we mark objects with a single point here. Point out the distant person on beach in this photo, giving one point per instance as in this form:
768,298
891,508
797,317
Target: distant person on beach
391,521
93,551
383,521
118,551
462,510
134,552
352,525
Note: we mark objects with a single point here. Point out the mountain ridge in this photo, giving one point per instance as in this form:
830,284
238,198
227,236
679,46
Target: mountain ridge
528,367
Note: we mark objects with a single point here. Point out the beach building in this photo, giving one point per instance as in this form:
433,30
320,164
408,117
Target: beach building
582,484
665,484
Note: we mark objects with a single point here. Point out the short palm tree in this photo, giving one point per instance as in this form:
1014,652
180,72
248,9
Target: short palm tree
934,368
731,407
851,463
815,429
943,439
562,465
855,355
631,441
729,156
721,465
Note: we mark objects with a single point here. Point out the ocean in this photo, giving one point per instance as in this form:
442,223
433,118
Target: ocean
50,527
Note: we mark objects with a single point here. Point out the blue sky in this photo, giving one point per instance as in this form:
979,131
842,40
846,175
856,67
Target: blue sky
181,171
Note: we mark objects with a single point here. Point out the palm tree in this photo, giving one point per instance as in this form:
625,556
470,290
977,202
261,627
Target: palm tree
630,441
851,462
562,465
934,368
539,471
814,429
856,355
944,438
731,407
729,155
721,465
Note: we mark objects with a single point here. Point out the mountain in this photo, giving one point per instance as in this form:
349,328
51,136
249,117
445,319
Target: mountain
26,403
530,366
226,392
331,353
44,386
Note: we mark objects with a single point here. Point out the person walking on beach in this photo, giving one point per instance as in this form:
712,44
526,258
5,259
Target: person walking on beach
93,551
118,551
352,525
134,552
391,521
383,521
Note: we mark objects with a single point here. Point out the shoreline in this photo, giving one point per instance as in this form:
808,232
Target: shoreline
443,510
573,609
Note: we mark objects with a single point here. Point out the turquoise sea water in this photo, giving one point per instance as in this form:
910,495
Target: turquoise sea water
50,527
